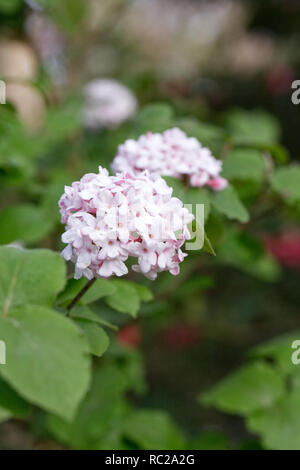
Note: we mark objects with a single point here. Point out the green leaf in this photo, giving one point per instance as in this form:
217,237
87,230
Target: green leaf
143,292
18,148
194,284
206,133
63,121
99,413
277,151
280,350
242,250
153,429
227,202
208,246
12,402
176,184
156,117
82,312
198,233
252,387
125,299
85,313
193,196
244,164
134,368
29,276
279,425
210,441
100,288
97,426
51,196
96,336
24,222
253,127
72,288
196,196
47,359
286,181
266,268
189,195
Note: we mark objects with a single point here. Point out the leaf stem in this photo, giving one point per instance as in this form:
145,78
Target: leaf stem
80,294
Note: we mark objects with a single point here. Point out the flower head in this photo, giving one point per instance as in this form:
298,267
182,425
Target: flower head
171,153
108,103
109,218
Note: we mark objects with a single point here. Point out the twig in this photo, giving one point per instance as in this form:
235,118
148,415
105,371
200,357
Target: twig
186,180
80,294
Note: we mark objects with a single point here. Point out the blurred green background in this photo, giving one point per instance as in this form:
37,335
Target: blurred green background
223,72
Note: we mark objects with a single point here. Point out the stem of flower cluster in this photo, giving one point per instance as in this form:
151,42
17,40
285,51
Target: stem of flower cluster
80,294
186,180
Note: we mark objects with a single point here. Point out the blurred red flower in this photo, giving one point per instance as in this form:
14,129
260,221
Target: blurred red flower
285,248
130,336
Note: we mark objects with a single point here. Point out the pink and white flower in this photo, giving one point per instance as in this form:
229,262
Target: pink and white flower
108,103
111,218
171,153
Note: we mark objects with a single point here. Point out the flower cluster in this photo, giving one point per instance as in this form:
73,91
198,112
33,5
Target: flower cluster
171,153
108,103
109,218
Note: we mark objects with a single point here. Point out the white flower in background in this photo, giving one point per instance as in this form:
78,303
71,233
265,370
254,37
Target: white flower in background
108,103
109,218
171,153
